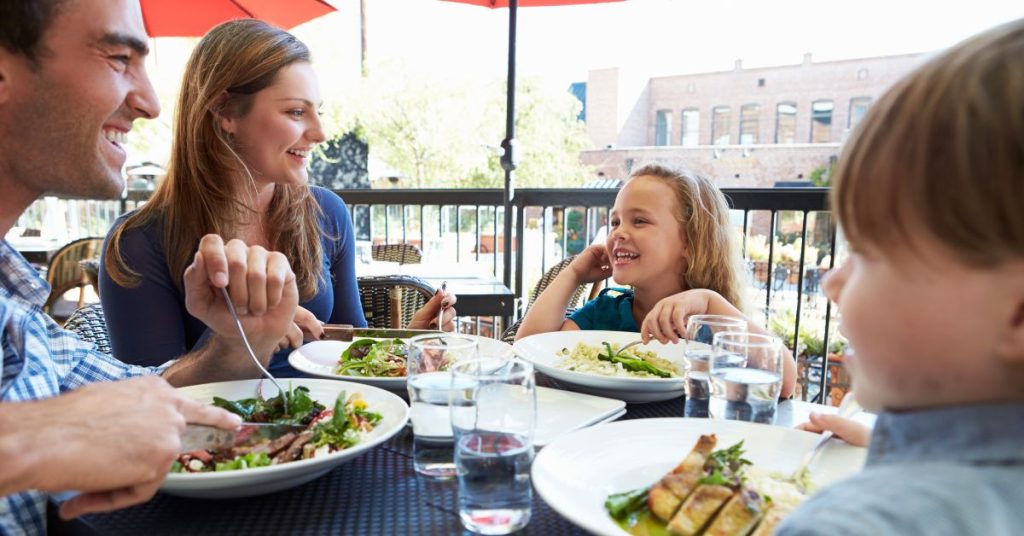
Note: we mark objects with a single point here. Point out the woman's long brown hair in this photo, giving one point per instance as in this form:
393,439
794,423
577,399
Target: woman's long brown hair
206,179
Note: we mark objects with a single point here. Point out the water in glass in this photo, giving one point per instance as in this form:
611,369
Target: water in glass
494,481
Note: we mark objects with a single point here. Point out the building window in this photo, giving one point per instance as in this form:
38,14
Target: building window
858,107
785,122
663,127
749,124
691,128
821,121
720,125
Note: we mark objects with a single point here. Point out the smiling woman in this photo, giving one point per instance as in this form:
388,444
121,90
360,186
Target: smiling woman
247,121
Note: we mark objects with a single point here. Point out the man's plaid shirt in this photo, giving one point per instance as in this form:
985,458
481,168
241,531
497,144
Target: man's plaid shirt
40,360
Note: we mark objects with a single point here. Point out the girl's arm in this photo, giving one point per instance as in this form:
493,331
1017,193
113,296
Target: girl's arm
548,312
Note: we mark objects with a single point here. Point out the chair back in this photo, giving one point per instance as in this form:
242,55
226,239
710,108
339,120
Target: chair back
65,273
509,335
400,253
391,301
90,325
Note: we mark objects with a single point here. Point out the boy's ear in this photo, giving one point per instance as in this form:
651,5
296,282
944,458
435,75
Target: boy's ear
5,74
1011,346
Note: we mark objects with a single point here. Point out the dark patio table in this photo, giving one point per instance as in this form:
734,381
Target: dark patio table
377,493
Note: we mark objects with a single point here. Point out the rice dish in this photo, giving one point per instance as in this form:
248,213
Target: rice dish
583,358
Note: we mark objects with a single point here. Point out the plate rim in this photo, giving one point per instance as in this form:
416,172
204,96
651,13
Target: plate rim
189,479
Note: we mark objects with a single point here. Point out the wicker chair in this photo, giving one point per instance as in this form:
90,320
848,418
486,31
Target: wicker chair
65,273
391,301
400,253
509,335
90,325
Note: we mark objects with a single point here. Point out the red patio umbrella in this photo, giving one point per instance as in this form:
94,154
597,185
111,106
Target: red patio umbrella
509,158
193,18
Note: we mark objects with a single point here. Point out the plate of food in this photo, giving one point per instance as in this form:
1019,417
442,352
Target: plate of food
372,361
333,421
684,476
590,361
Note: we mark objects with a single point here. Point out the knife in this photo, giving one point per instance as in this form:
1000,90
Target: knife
203,437
346,332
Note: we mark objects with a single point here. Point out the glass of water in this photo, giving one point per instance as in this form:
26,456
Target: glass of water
430,361
700,330
746,376
494,414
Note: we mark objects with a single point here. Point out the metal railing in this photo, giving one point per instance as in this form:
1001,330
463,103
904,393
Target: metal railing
467,225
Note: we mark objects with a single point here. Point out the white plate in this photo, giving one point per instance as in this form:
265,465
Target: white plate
247,482
542,349
577,472
560,412
320,358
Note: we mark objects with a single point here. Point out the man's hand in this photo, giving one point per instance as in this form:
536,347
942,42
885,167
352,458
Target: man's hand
114,441
262,288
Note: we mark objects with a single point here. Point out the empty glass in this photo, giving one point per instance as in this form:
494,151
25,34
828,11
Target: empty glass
494,415
429,380
746,376
700,330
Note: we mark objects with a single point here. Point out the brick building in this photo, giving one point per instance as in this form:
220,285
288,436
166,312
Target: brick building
744,127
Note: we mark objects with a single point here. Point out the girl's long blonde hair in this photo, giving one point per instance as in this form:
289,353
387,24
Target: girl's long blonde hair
206,180
714,262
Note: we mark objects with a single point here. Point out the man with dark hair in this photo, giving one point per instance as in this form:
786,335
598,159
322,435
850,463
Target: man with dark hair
72,81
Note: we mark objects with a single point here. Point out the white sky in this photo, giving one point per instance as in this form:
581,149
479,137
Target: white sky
559,44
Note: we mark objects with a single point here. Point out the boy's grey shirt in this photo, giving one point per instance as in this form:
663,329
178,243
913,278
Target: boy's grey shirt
945,471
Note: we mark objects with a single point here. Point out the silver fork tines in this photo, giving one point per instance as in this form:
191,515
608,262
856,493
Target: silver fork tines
245,340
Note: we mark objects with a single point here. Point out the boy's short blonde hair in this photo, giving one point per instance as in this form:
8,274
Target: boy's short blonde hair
714,261
943,152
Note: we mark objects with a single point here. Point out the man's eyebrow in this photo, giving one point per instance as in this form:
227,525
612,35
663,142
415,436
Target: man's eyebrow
119,39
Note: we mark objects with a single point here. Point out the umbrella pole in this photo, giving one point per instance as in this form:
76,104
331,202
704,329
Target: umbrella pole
509,158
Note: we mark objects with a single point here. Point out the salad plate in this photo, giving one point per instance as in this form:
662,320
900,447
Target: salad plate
393,410
549,351
320,358
576,472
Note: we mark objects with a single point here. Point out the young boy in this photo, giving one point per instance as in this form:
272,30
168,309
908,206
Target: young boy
930,194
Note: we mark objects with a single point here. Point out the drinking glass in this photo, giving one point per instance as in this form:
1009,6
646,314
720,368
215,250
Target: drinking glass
746,376
700,330
429,365
494,415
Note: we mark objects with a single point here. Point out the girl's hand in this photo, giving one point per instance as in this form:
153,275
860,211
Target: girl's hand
848,430
666,322
593,264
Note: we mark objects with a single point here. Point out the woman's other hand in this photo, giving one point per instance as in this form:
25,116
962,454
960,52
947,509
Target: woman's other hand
426,317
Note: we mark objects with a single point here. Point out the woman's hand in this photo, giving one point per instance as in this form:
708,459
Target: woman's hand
304,327
666,322
426,317
848,430
593,264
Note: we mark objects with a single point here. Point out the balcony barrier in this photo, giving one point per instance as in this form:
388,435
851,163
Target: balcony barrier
465,226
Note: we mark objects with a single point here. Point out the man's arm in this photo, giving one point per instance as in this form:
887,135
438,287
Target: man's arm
114,441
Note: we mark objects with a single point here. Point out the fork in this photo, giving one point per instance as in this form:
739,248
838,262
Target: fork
245,340
440,312
847,409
